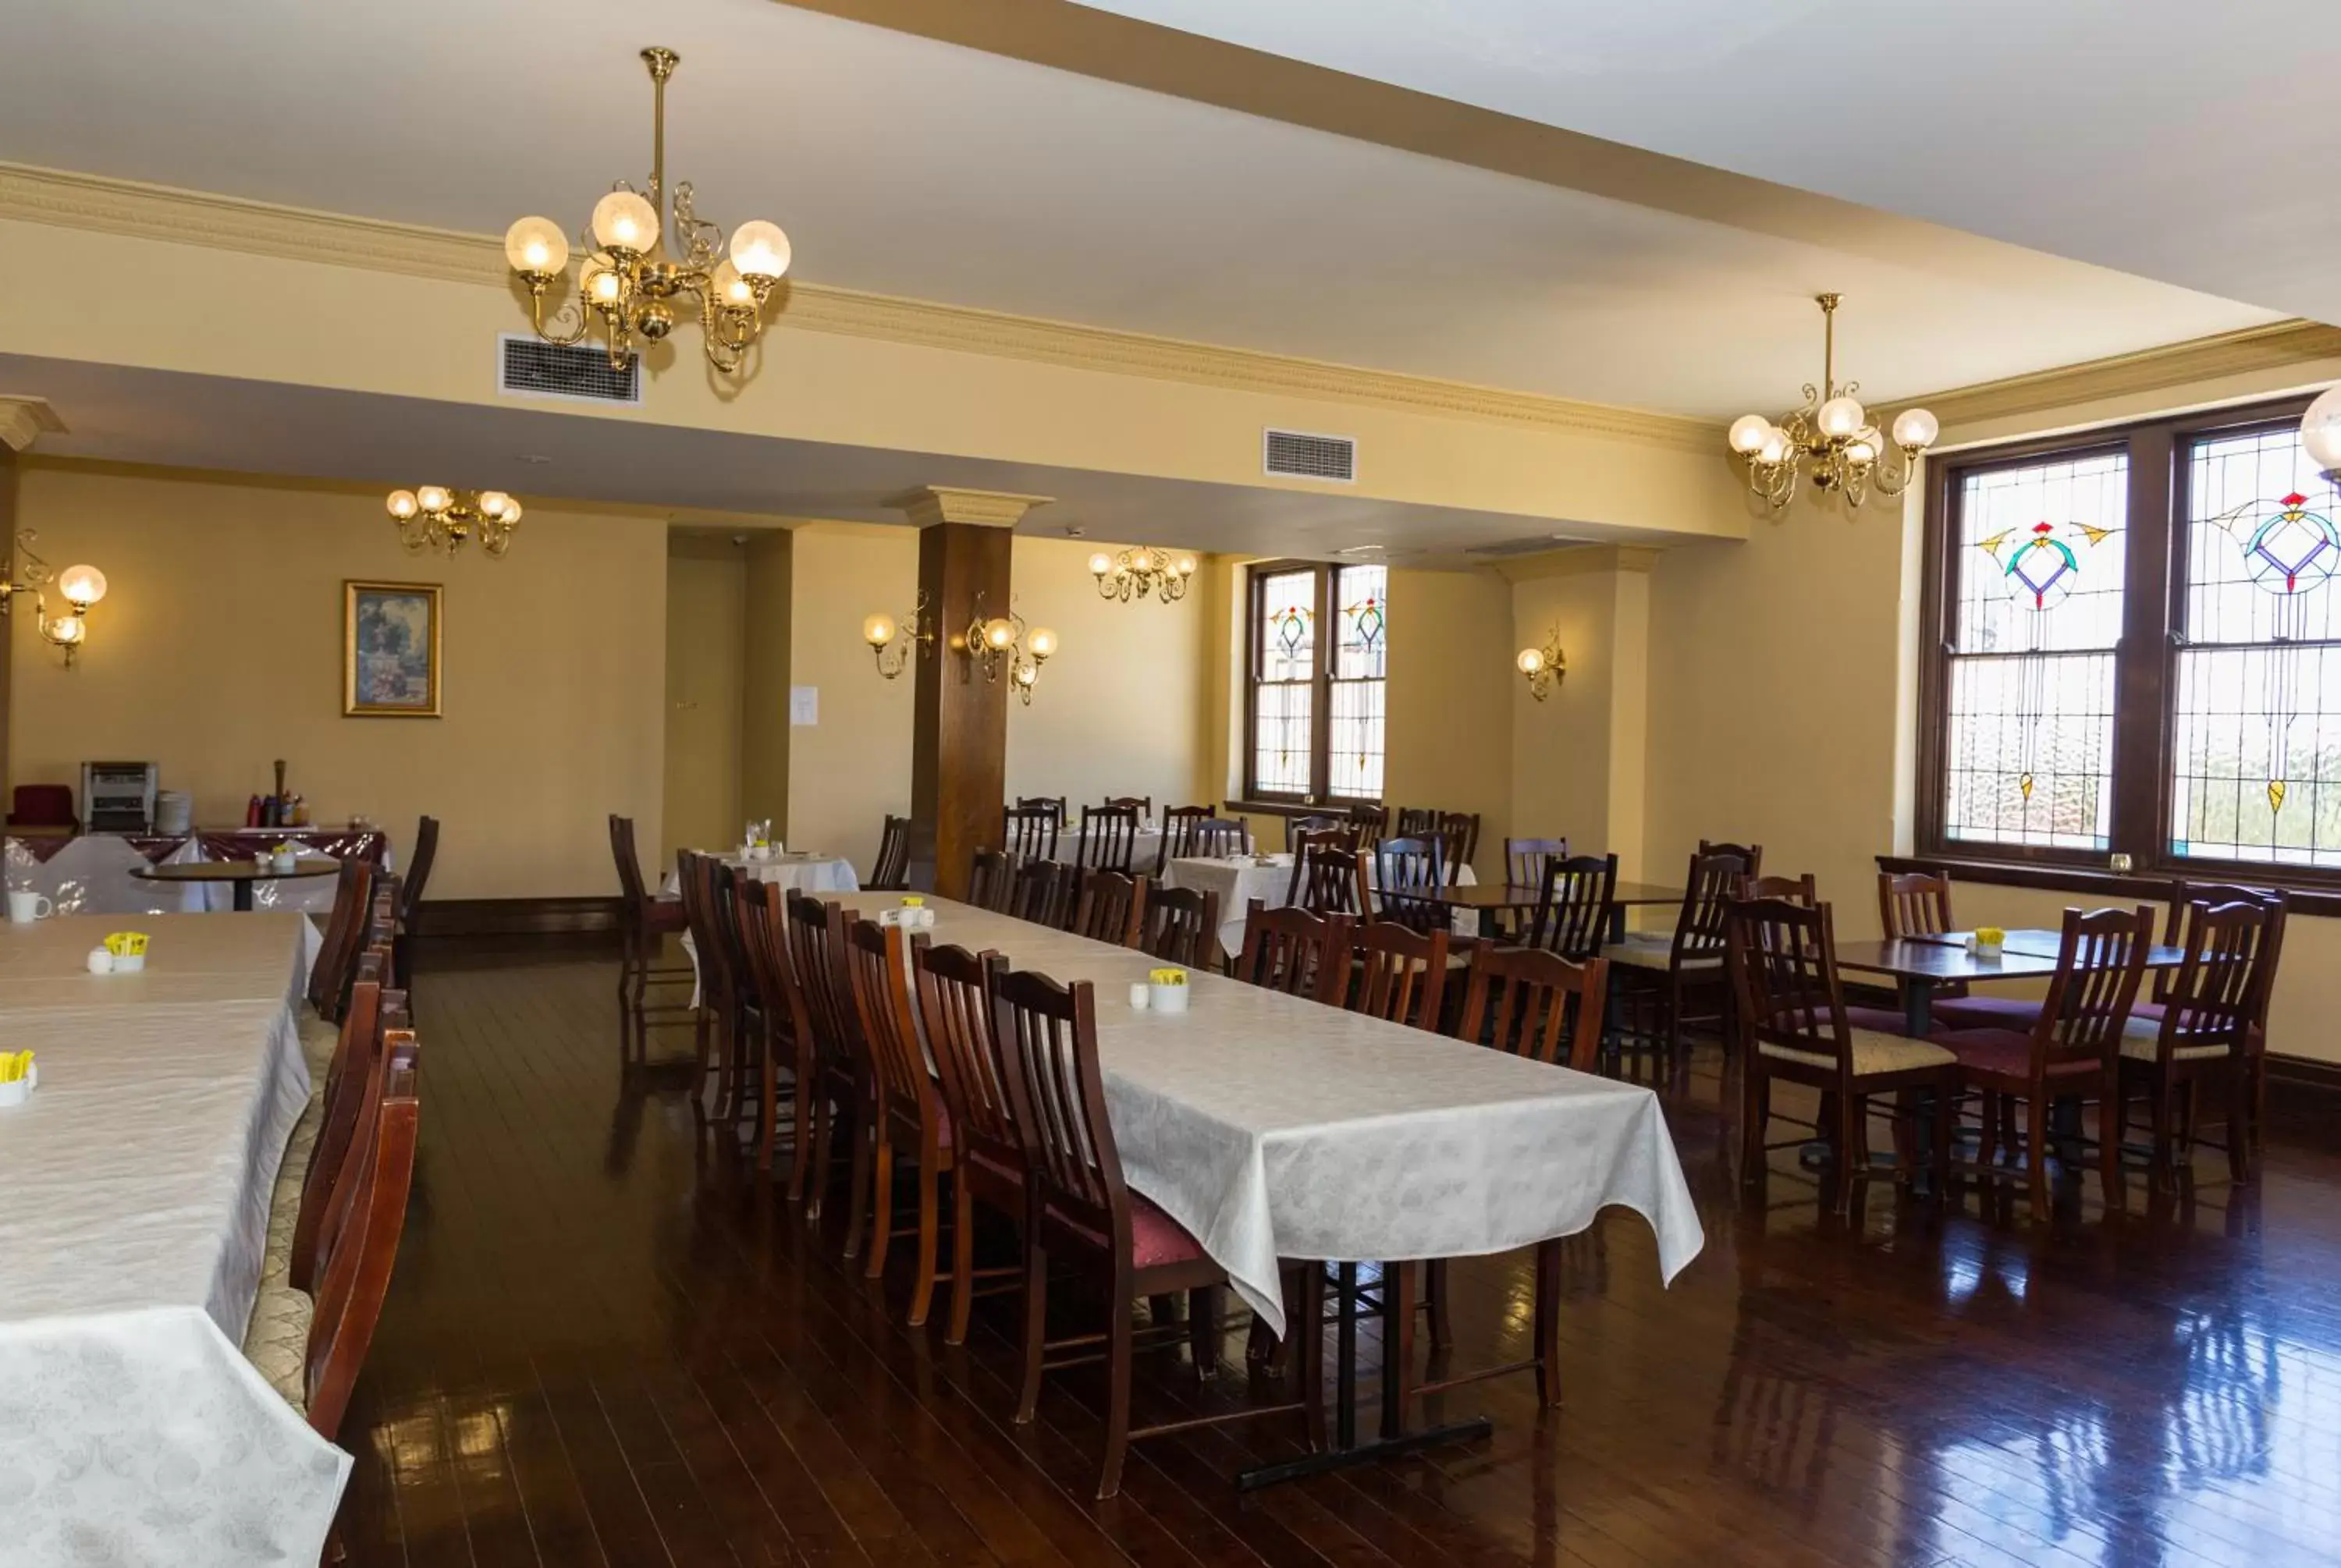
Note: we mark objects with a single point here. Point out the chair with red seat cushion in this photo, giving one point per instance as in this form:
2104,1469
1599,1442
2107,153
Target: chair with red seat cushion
954,996
907,1119
1081,1212
2073,1049
1918,904
44,806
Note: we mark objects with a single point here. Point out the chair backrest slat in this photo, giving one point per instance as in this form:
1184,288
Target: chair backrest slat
878,966
2100,963
631,886
1029,830
1296,951
1461,831
418,867
816,942
892,871
1328,877
357,1279
1111,907
1914,904
1047,1039
955,989
991,881
1405,868
1401,974
1780,957
1047,893
2216,995
1525,859
1527,1001
1801,889
1575,905
1109,838
1181,926
1710,885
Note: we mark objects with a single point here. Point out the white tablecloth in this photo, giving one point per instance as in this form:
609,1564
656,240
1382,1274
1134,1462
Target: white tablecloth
1240,881
1275,1128
1146,847
136,1183
91,875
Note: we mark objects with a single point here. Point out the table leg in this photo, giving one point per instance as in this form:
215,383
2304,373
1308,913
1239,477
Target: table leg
1918,1009
243,886
1347,1450
1617,922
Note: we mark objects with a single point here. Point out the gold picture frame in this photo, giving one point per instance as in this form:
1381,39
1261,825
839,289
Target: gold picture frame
390,665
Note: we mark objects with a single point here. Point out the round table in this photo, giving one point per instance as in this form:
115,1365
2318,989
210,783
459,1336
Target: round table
241,874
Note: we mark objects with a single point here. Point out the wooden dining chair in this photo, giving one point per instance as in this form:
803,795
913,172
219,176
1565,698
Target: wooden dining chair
350,1087
1109,838
1790,1013
907,1122
1141,804
1803,890
1525,859
1110,907
1057,806
644,922
356,1277
329,975
1681,980
1372,823
1396,973
2183,895
1752,854
1193,832
1298,830
1327,879
1296,950
1047,893
1404,870
840,1091
696,876
1413,821
1461,831
784,1040
1528,1002
2073,1050
1914,904
955,999
1182,926
1576,904
410,898
1080,1212
1029,833
991,881
890,873
2200,1031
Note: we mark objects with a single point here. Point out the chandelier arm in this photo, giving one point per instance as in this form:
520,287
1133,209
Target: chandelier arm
561,337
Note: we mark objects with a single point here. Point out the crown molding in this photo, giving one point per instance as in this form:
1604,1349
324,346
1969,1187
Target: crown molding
934,503
2279,345
65,199
25,420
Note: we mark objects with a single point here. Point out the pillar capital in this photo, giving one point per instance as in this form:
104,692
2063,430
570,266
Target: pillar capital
932,503
25,420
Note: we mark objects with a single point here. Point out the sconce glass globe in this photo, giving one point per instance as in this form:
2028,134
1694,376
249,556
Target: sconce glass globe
1186,566
403,504
1041,643
625,222
998,632
67,629
1774,449
878,631
432,498
1748,432
1530,660
1100,564
731,289
493,504
82,585
1915,428
760,250
536,245
1840,418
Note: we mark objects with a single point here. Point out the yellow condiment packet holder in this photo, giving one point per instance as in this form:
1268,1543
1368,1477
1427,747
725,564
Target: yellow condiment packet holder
1166,977
127,944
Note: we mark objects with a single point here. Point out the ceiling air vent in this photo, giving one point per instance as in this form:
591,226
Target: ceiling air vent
527,367
1534,544
1294,454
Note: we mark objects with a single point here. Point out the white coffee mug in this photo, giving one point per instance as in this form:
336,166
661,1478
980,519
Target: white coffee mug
25,907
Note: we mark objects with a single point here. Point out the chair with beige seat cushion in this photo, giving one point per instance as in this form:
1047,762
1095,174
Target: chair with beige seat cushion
2203,1028
1789,1009
276,1341
1664,985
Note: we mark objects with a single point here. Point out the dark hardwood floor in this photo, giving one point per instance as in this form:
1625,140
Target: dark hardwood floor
608,1342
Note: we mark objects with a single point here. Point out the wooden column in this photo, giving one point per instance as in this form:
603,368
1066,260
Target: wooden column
959,752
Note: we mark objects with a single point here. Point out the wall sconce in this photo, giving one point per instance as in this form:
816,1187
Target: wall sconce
1545,668
1002,643
81,587
895,643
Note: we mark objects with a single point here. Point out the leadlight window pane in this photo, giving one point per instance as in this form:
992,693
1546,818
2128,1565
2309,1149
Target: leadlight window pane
1281,746
2041,563
1288,626
1356,758
2256,747
1362,651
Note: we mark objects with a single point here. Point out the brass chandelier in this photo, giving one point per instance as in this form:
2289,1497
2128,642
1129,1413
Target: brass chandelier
432,517
631,284
1829,441
1141,571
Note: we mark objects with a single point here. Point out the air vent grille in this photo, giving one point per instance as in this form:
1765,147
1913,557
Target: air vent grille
1297,455
1534,543
528,367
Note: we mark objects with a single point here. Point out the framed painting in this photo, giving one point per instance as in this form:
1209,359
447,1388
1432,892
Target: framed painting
390,650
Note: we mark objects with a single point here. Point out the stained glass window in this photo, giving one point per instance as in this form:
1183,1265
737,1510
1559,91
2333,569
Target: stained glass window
2256,743
1317,711
2040,559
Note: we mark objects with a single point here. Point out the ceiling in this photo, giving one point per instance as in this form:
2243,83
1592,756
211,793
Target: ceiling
905,164
122,415
2173,140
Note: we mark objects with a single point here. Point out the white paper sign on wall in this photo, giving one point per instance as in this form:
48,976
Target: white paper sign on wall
804,705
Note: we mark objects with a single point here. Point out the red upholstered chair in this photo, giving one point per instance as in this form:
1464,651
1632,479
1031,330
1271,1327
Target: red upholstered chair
1080,1212
907,1122
49,805
1918,904
2072,1049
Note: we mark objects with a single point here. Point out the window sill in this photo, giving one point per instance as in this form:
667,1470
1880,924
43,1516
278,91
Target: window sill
2103,885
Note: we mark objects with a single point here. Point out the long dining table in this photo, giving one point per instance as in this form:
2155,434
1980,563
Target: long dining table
1274,1128
134,1185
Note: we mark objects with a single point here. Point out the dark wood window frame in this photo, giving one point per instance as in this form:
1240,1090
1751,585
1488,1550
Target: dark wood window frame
1328,575
2145,668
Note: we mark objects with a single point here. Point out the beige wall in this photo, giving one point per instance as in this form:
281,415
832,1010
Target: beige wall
706,605
1450,735
850,771
1116,712
219,648
764,692
1579,756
